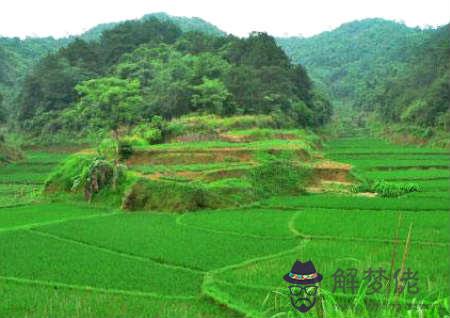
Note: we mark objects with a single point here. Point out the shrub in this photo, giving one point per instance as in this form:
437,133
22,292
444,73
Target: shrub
85,173
135,141
392,190
163,196
410,187
363,184
152,133
108,148
279,177
69,175
125,150
153,136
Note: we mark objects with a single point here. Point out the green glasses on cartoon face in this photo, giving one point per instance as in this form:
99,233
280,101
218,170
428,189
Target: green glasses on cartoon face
297,290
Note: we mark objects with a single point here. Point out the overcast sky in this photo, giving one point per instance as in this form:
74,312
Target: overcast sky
277,17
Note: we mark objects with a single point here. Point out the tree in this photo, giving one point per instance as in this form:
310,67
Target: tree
259,49
212,96
110,102
197,42
209,65
127,36
49,87
302,113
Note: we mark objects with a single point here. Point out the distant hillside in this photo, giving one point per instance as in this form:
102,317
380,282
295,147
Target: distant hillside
356,55
371,65
17,55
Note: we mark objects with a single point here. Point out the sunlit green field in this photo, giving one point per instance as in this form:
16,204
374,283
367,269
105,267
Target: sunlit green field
80,260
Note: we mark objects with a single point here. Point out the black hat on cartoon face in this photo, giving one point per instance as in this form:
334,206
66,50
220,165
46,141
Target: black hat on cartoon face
303,274
303,279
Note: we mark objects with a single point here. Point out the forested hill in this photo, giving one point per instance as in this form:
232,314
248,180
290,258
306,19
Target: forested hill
375,64
357,55
140,69
18,56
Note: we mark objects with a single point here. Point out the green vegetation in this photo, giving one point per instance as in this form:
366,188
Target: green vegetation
109,271
18,57
66,301
380,66
184,175
8,153
27,216
142,69
407,203
97,255
171,170
154,237
21,181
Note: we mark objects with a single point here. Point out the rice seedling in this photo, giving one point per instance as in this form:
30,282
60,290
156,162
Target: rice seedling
21,299
353,202
256,222
409,174
255,290
95,261
29,215
342,224
32,256
157,236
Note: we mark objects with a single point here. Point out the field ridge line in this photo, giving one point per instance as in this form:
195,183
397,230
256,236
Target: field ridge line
34,225
353,238
222,298
258,259
255,236
371,240
10,206
291,225
94,289
114,252
303,207
209,278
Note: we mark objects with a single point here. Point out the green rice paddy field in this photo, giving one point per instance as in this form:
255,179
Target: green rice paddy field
80,260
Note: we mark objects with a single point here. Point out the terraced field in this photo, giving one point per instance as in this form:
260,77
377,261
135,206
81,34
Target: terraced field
22,182
80,260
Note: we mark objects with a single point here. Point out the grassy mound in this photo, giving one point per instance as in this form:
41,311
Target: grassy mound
137,192
240,160
164,195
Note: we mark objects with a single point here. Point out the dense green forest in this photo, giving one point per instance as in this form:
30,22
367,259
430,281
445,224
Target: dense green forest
383,66
150,67
18,56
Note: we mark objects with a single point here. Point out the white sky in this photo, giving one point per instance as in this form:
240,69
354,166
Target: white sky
277,17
